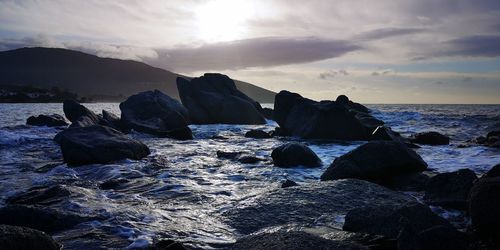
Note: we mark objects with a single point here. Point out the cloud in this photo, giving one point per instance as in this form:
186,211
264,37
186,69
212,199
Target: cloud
474,46
256,52
382,72
333,74
387,32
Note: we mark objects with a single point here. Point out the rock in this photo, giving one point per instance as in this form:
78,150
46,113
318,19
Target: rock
73,111
239,156
434,238
288,183
268,113
309,119
228,155
42,196
155,113
213,98
430,138
84,121
23,238
53,120
249,159
113,121
493,133
292,240
344,100
389,220
414,182
450,189
98,144
257,134
278,132
295,154
318,203
368,121
493,172
484,208
41,218
376,161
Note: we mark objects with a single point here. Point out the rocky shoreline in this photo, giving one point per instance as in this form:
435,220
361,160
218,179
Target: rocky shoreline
362,191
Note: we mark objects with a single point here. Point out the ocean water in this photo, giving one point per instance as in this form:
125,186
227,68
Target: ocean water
182,188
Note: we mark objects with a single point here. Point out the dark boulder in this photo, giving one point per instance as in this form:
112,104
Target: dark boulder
249,159
434,238
213,98
389,220
241,157
376,161
295,154
384,133
155,113
306,118
268,113
288,183
430,138
98,144
23,238
257,134
414,182
111,120
484,208
344,100
450,189
493,172
53,120
74,111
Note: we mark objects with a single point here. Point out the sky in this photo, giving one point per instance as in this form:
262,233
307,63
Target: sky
384,51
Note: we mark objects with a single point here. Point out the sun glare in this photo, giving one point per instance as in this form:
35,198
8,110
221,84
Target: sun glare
223,20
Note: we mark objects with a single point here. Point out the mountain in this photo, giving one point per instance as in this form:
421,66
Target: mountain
95,77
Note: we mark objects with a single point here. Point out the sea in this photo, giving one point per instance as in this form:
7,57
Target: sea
181,190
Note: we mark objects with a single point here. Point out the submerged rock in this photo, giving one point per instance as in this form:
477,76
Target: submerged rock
430,138
23,238
376,161
155,113
98,144
450,189
257,134
53,120
213,98
309,203
306,118
295,154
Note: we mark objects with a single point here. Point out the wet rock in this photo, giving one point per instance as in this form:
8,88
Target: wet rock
484,208
40,218
111,120
213,98
23,238
112,183
77,112
376,161
155,113
368,121
389,220
53,120
450,189
309,203
306,118
268,113
257,134
42,196
430,138
167,245
98,144
288,183
228,155
434,238
249,159
493,172
239,156
295,154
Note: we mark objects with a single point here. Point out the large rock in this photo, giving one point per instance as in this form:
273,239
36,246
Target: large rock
376,161
98,144
75,111
53,120
434,238
306,118
213,98
484,208
314,204
450,189
430,138
23,238
295,154
155,113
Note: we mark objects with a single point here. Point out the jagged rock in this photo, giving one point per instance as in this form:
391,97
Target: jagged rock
77,112
450,189
430,138
155,113
23,238
376,161
295,154
213,98
258,134
53,120
98,144
288,183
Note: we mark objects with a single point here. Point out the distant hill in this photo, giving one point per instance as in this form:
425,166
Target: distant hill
94,77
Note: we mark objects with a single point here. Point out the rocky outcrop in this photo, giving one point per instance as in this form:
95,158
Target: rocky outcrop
306,118
309,203
79,115
295,154
377,161
155,113
450,189
98,144
257,134
213,98
430,138
23,238
53,120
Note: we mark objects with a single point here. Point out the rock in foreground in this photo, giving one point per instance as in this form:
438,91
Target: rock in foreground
295,154
23,238
484,208
53,120
376,161
98,144
213,98
155,113
450,189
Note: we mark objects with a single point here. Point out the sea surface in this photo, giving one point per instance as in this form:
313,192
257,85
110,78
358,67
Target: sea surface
182,188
